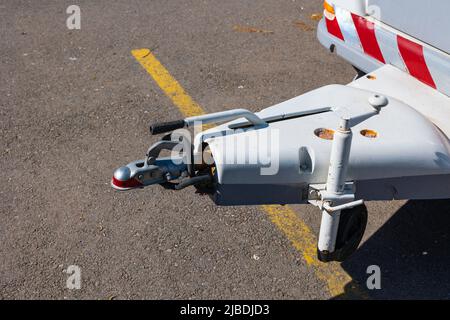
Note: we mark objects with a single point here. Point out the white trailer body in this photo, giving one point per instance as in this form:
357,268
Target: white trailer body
426,21
368,38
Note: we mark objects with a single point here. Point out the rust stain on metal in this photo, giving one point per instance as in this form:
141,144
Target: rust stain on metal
323,133
369,133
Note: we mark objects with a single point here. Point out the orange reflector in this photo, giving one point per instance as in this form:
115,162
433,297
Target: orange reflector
328,7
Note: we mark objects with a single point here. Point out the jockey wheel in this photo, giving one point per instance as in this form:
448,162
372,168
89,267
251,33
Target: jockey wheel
352,224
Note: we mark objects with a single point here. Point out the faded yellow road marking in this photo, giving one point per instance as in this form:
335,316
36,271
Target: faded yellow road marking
338,282
167,83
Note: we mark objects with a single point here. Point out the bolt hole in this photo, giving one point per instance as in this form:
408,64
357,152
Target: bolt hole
323,133
140,164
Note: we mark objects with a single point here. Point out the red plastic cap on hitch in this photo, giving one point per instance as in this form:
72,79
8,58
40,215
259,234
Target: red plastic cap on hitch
122,180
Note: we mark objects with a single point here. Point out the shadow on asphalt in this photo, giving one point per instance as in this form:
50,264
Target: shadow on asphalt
412,250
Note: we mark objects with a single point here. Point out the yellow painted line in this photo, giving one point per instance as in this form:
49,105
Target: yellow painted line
167,83
338,282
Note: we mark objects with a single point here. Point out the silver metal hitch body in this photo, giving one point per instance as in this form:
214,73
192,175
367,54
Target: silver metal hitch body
140,173
154,170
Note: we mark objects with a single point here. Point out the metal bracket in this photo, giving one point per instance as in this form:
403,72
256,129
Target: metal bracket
330,201
326,206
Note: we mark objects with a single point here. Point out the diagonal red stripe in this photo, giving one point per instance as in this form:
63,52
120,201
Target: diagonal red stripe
366,33
412,54
333,28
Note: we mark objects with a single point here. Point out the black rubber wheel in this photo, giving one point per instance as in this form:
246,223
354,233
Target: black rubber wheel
352,225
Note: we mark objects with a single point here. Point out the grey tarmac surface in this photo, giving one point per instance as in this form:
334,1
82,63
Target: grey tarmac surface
75,104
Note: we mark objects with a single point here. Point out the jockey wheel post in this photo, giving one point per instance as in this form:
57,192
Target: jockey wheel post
343,220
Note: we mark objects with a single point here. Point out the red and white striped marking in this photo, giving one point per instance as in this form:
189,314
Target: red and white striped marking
388,46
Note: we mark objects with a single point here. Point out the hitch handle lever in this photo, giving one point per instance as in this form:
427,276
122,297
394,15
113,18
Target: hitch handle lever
163,127
344,206
208,118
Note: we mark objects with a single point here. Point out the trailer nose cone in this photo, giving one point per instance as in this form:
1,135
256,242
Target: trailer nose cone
122,180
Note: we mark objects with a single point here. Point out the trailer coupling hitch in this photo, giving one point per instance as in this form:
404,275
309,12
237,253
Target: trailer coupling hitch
172,172
177,171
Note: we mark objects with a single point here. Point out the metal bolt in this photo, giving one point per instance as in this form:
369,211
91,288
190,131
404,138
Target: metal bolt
314,194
